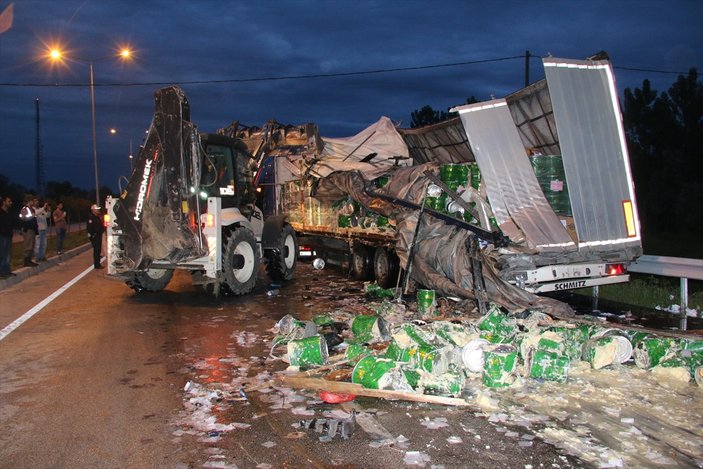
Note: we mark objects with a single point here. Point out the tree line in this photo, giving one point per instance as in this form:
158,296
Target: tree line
664,132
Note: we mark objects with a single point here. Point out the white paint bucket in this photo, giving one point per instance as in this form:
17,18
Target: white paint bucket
472,355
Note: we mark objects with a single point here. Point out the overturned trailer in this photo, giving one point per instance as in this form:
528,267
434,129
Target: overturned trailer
513,229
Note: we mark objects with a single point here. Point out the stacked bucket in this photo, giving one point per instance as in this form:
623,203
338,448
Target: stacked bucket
457,177
549,170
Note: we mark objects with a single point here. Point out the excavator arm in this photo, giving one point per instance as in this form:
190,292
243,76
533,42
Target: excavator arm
158,213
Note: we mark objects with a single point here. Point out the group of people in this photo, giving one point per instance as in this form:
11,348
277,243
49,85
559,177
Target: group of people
34,224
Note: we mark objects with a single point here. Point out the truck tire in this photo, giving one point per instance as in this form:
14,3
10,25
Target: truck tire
240,261
360,261
151,280
282,259
385,267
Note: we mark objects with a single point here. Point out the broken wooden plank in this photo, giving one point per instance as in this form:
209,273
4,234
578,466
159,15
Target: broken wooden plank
318,384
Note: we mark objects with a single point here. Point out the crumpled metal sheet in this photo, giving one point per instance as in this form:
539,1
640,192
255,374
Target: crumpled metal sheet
444,143
517,199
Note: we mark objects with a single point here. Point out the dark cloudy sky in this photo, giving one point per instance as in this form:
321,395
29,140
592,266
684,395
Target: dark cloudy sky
202,40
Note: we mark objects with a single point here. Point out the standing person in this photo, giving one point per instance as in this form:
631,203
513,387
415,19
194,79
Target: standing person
95,234
42,213
7,223
29,228
59,217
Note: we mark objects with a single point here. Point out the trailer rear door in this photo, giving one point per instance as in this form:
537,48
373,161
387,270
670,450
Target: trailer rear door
594,152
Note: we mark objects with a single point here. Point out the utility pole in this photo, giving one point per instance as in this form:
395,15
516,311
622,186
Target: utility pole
527,68
38,152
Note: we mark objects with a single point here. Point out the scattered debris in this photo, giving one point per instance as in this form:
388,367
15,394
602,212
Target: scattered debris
330,427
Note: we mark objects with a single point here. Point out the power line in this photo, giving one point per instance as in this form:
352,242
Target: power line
310,76
650,70
260,79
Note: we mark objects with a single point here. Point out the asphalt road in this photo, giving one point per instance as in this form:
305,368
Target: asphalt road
96,379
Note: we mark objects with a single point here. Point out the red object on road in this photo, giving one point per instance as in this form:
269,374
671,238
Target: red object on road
335,398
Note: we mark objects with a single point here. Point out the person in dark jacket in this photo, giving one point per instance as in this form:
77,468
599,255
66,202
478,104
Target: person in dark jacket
29,228
95,234
7,224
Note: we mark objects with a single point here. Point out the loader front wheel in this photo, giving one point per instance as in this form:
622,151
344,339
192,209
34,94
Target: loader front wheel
241,261
282,259
151,280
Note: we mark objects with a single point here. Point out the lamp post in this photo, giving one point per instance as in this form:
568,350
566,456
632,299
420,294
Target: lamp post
113,131
130,156
95,143
57,55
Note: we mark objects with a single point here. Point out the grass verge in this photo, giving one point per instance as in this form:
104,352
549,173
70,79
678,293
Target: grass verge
73,239
650,291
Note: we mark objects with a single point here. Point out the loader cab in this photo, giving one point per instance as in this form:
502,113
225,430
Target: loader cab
225,171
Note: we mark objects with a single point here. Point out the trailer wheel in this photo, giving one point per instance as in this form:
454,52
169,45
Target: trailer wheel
361,267
282,259
151,280
240,261
385,267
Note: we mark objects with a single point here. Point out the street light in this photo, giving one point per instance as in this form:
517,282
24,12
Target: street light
56,55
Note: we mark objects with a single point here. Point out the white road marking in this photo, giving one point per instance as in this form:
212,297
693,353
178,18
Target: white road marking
26,316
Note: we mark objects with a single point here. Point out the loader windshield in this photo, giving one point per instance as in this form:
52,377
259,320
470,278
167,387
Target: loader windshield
218,174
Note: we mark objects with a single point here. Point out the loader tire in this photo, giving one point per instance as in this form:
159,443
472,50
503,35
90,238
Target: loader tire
385,267
151,280
282,259
240,261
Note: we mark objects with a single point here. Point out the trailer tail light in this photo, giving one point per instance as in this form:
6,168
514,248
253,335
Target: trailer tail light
209,220
305,251
106,220
615,269
629,218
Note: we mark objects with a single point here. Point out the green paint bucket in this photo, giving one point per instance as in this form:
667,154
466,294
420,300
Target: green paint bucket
400,354
496,327
475,175
431,359
653,350
343,221
381,181
363,366
379,373
574,339
454,334
600,352
369,328
636,337
447,384
454,185
454,173
426,304
438,204
322,320
356,351
549,365
692,348
412,376
412,333
499,366
308,352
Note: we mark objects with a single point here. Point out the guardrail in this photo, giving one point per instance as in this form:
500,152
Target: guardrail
679,267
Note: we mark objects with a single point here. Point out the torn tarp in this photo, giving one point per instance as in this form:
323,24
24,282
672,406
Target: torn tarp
441,261
371,152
